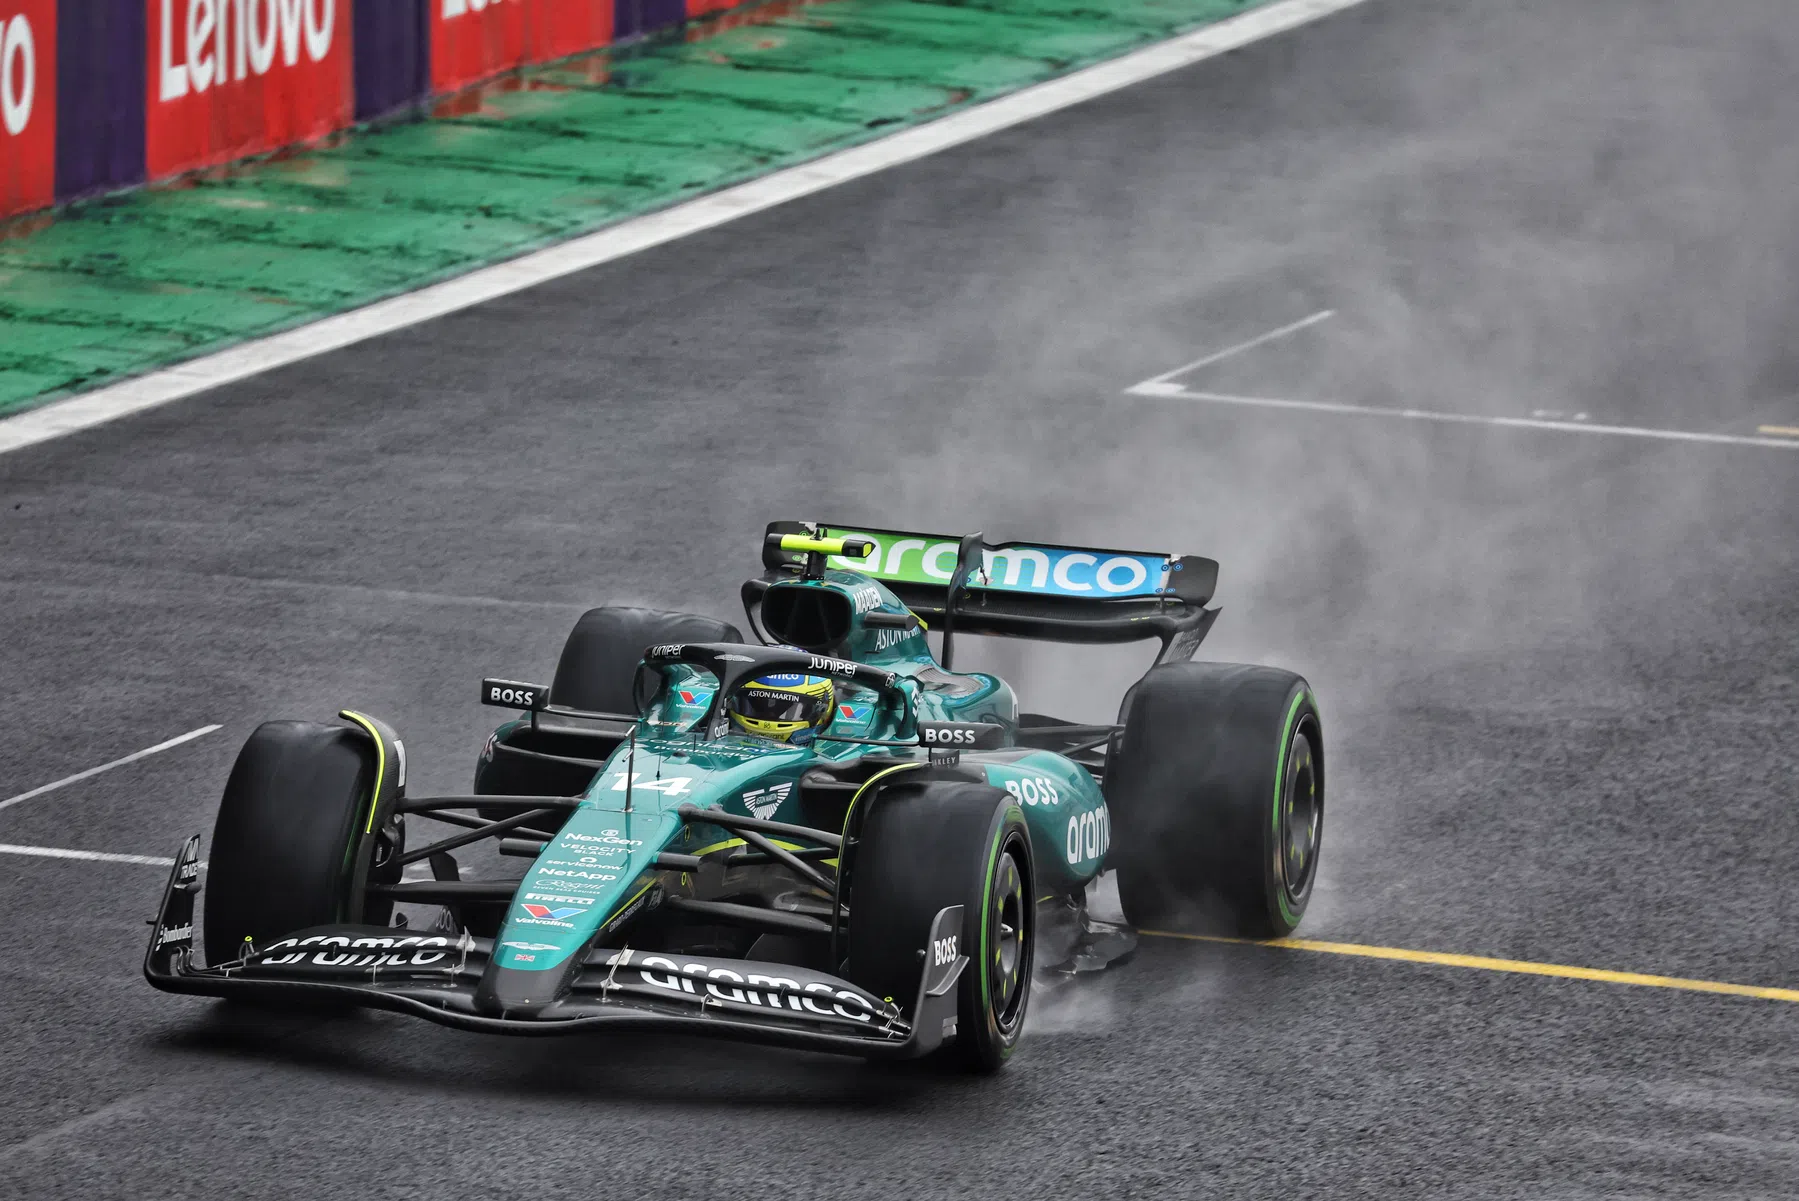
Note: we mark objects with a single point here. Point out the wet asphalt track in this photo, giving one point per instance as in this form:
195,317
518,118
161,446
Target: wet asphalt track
1560,672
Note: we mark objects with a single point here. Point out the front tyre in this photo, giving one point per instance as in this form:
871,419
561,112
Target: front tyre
926,846
1216,789
283,847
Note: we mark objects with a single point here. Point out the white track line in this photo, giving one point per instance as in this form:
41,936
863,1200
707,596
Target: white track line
7,848
94,771
1218,356
1168,391
653,229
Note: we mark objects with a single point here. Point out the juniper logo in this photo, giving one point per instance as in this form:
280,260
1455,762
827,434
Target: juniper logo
1057,571
18,74
217,41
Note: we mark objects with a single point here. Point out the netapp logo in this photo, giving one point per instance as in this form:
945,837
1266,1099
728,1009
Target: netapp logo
236,39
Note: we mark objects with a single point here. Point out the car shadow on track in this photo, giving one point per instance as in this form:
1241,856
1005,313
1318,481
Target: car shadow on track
639,1069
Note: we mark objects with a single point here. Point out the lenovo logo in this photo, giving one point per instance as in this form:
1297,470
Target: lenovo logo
207,42
18,74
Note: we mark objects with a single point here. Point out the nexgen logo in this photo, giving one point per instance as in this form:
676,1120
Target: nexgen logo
216,41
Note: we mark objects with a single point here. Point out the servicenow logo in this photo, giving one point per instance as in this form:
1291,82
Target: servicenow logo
1048,570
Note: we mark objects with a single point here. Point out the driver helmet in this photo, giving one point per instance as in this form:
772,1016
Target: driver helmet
789,707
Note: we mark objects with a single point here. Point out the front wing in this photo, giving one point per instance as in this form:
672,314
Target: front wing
438,976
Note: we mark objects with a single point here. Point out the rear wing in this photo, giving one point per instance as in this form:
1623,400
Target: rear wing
1023,589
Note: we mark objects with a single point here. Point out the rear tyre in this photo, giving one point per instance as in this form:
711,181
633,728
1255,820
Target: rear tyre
926,846
1216,789
598,665
283,847
599,660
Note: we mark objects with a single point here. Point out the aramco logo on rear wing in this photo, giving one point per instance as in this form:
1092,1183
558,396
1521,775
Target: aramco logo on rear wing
1055,571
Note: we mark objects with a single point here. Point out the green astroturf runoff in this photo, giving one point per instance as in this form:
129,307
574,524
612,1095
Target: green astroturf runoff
120,285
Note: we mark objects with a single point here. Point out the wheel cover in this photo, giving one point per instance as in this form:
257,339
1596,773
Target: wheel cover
1010,918
1302,819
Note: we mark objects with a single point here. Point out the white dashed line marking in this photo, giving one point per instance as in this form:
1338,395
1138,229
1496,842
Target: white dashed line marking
1166,391
41,789
7,848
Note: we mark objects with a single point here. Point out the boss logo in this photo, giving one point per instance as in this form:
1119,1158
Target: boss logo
511,694
961,735
1034,790
943,951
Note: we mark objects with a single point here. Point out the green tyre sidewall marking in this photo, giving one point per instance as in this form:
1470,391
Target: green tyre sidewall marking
986,949
1284,754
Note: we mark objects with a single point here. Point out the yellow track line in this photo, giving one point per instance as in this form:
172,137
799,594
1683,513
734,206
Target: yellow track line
1779,431
1482,963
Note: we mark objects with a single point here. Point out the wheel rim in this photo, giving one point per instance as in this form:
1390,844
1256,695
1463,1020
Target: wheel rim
1302,816
1009,924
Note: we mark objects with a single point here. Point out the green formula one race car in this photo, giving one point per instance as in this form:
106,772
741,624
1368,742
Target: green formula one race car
825,838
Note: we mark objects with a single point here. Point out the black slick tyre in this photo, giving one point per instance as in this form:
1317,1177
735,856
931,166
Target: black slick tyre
598,665
928,845
1216,789
600,658
284,844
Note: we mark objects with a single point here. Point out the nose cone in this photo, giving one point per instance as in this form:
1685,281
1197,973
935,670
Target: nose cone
510,992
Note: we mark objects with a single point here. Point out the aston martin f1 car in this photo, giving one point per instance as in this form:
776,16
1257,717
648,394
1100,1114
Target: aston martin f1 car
884,880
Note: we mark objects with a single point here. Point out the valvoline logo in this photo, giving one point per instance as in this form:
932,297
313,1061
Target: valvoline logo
856,713
545,913
691,697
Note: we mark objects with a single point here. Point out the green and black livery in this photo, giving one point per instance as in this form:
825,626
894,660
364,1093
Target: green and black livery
888,888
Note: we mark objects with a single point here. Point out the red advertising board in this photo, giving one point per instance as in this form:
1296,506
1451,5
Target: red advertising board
473,39
27,104
228,78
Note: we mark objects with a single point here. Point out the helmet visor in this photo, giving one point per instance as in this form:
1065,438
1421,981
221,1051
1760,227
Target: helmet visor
773,704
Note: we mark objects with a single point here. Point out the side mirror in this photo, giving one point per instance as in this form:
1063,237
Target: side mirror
647,687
